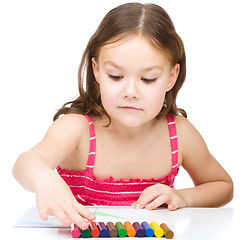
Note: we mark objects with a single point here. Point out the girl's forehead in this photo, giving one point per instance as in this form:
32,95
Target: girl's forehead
128,41
129,48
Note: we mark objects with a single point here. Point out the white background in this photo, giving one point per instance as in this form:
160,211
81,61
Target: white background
41,45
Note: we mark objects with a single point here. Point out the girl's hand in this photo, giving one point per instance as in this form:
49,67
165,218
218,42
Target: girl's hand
55,198
159,194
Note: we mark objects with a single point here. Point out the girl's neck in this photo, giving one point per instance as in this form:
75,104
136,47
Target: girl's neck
125,132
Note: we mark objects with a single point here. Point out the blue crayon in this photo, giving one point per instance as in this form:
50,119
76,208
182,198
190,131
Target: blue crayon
149,232
103,229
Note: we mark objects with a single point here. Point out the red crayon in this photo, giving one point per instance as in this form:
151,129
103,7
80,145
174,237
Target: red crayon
75,232
95,232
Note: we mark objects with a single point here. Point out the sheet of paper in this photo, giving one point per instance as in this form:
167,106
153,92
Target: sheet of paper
103,214
116,214
31,219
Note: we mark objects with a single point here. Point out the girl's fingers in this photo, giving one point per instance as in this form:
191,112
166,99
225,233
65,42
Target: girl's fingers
61,216
148,195
142,202
85,212
158,202
172,207
43,211
71,213
77,218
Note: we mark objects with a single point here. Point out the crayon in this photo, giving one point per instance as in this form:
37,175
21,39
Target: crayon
86,233
149,232
158,231
167,231
94,231
112,229
75,232
103,229
122,232
140,232
131,232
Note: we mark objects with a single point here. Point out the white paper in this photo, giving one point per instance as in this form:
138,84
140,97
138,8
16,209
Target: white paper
103,214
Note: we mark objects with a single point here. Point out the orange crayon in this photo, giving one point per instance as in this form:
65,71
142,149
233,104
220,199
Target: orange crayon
131,232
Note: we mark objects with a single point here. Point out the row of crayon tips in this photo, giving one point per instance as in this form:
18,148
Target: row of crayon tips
100,229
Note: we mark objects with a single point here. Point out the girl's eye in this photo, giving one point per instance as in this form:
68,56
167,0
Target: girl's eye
115,77
149,80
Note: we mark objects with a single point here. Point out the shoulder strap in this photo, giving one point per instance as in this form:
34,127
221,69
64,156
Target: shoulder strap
92,147
174,143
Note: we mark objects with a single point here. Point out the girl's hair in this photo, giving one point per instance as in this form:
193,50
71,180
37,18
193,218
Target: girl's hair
149,20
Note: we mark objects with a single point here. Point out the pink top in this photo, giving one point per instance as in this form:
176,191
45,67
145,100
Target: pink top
89,190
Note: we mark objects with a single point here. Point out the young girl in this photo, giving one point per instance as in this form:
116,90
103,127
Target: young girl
122,141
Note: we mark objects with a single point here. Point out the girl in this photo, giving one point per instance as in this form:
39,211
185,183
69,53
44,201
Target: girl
122,141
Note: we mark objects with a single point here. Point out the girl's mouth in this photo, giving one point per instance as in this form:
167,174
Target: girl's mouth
130,108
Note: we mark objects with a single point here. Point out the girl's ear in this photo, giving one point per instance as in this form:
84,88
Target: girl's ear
173,76
95,67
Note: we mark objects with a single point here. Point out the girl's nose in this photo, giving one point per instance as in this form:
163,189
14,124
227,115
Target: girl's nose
131,90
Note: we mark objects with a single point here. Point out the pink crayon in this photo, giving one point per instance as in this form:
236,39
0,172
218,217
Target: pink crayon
75,232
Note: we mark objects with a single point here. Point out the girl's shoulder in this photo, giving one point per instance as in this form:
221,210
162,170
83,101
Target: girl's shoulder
185,127
63,138
189,138
75,125
71,120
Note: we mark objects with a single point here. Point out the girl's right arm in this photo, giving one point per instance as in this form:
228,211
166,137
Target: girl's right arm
34,171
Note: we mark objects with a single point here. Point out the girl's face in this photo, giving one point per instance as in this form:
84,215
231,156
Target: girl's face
134,78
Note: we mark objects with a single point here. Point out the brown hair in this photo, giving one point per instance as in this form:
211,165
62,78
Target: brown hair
152,22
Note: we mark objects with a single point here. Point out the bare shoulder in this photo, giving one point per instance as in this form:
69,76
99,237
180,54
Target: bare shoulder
72,120
196,158
183,125
62,138
190,141
74,124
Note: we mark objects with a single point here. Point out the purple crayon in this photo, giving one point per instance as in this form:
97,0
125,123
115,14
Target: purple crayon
140,232
103,230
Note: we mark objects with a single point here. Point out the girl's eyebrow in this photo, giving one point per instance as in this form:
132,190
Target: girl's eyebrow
145,69
113,64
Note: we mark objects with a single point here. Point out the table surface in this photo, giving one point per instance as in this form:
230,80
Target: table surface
187,223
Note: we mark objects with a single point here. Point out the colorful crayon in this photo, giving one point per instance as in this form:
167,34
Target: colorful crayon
122,232
75,232
103,229
140,232
167,231
149,232
94,231
86,233
131,232
158,231
112,229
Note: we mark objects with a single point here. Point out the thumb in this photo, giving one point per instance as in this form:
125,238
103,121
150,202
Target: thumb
172,207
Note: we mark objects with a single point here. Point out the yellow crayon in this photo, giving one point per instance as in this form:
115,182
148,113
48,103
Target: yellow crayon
158,231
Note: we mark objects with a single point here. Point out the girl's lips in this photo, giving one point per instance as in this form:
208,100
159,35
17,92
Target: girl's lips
130,108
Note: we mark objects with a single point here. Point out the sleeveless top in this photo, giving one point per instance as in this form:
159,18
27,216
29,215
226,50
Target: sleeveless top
89,190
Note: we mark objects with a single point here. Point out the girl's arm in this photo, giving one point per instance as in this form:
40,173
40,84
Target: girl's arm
213,185
34,171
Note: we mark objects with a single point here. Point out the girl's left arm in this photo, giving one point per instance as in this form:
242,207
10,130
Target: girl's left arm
213,185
